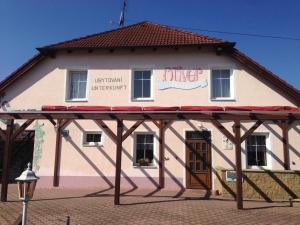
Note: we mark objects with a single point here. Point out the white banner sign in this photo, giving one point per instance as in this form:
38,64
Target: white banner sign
180,78
162,85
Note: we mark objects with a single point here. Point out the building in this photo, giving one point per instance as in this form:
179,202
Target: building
182,101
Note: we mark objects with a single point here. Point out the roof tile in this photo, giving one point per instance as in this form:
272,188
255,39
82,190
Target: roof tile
144,34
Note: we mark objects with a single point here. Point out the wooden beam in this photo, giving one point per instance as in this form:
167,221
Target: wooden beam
64,123
238,164
6,159
161,162
223,130
284,126
120,128
15,116
61,124
52,121
247,116
57,153
21,128
285,142
50,118
106,129
251,130
156,123
133,128
2,134
167,123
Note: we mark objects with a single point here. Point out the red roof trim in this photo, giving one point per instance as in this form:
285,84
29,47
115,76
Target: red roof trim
126,108
160,108
89,108
168,108
201,108
259,108
54,108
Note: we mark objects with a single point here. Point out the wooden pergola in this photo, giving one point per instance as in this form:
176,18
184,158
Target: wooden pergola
161,119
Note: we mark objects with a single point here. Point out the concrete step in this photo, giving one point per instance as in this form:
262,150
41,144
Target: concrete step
296,202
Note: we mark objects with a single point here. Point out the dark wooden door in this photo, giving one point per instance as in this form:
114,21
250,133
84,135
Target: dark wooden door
198,164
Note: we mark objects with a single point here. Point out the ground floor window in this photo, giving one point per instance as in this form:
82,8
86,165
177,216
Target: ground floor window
257,150
144,149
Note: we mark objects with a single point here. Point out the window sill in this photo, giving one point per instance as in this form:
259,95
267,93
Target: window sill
258,168
145,167
93,145
76,100
222,99
142,99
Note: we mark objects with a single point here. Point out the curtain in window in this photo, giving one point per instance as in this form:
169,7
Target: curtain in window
221,84
78,80
216,85
225,78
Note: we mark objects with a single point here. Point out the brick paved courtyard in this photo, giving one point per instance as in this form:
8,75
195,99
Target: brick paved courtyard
92,206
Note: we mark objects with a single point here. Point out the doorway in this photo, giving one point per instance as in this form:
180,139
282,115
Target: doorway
21,154
198,160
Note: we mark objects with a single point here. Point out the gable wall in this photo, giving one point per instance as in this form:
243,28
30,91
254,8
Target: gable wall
48,80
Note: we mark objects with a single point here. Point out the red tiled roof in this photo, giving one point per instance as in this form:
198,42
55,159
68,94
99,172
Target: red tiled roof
144,34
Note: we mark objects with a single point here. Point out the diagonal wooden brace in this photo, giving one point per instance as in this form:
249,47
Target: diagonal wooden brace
102,124
223,130
251,130
21,128
133,128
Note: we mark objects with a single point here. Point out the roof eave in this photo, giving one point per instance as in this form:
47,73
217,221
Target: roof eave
48,50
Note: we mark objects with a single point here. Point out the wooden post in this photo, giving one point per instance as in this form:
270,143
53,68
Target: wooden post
120,127
284,126
285,143
57,154
6,159
161,163
238,164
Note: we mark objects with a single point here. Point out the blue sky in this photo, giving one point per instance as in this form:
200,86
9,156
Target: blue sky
28,24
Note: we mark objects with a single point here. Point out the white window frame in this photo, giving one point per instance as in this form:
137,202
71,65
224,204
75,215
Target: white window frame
135,164
151,98
232,85
67,85
91,144
268,152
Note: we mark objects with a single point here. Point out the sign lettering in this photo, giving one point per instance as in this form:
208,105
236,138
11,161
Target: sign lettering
177,77
108,84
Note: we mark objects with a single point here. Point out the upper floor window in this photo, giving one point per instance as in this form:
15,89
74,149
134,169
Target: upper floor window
221,84
77,85
256,146
142,85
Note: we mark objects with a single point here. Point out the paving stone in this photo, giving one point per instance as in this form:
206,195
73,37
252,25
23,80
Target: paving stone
52,206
